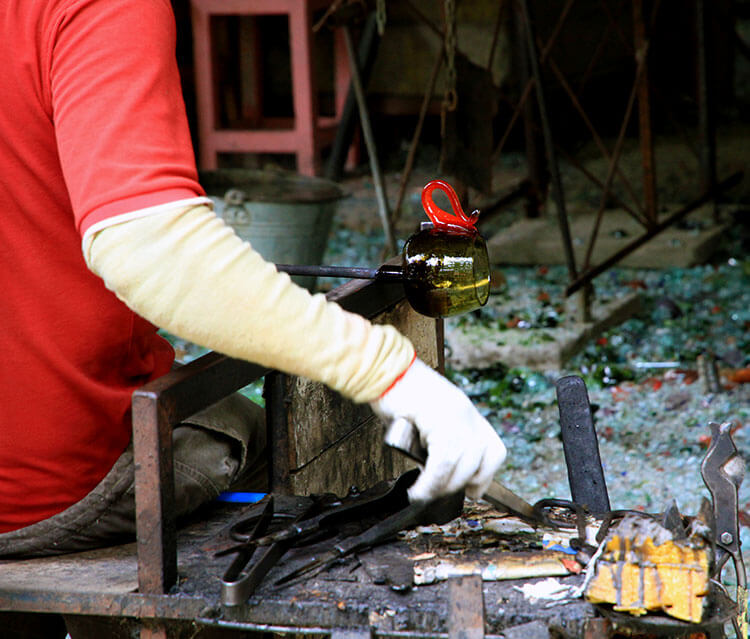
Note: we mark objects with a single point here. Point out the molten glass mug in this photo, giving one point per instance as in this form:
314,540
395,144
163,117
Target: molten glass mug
446,268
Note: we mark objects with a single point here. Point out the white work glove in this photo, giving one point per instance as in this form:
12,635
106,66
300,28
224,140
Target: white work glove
463,450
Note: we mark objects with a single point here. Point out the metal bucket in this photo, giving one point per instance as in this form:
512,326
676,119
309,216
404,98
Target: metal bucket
286,217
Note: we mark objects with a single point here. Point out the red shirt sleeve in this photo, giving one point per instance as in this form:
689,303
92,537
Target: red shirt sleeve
122,134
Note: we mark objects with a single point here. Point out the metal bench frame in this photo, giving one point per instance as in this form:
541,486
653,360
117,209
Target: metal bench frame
170,399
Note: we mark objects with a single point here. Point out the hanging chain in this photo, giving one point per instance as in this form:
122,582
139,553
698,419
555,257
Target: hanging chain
380,16
450,97
450,55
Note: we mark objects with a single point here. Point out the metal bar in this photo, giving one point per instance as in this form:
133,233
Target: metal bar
440,335
611,170
154,495
589,275
386,272
104,604
345,130
545,51
424,19
465,608
409,165
592,130
277,429
354,272
529,85
317,630
595,57
644,114
364,117
490,208
705,99
585,475
557,192
495,34
170,399
617,200
536,171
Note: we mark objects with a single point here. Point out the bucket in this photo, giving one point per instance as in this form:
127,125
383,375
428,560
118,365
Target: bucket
285,216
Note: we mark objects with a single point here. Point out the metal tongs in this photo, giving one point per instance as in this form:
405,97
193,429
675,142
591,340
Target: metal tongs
723,470
260,550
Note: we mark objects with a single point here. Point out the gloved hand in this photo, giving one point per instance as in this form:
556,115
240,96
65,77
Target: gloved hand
463,450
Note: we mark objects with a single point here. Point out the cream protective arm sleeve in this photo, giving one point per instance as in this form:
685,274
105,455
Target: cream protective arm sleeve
187,272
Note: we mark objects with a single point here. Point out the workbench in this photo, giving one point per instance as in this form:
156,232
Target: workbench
105,582
167,584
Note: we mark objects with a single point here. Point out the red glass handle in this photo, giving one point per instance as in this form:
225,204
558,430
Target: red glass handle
441,218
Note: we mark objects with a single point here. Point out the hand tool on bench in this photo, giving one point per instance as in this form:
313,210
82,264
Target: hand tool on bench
359,508
388,503
237,584
723,470
585,473
403,436
440,511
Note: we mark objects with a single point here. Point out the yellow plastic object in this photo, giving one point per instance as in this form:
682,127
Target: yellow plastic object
637,575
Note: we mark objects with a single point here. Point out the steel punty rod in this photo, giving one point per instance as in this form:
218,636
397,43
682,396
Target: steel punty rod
387,272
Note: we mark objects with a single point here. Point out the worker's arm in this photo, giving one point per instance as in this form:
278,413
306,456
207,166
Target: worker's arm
186,271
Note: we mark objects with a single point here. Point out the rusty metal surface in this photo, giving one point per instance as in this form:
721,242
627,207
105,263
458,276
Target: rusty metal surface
280,454
154,495
116,605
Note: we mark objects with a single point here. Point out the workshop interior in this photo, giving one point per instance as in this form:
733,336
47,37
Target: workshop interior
550,199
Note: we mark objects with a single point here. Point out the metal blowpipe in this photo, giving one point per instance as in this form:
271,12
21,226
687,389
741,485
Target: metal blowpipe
385,272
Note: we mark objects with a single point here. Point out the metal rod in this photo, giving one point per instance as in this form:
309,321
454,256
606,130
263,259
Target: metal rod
592,129
645,128
615,159
277,433
554,169
409,166
364,118
536,169
319,630
496,33
705,98
529,84
368,46
666,222
424,19
575,162
385,272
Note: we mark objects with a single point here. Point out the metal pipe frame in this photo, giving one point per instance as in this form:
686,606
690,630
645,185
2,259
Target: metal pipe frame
640,100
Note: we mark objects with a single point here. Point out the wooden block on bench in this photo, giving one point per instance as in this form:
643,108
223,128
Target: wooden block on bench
334,444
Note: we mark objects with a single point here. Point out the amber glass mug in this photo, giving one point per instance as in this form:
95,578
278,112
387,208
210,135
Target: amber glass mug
446,268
